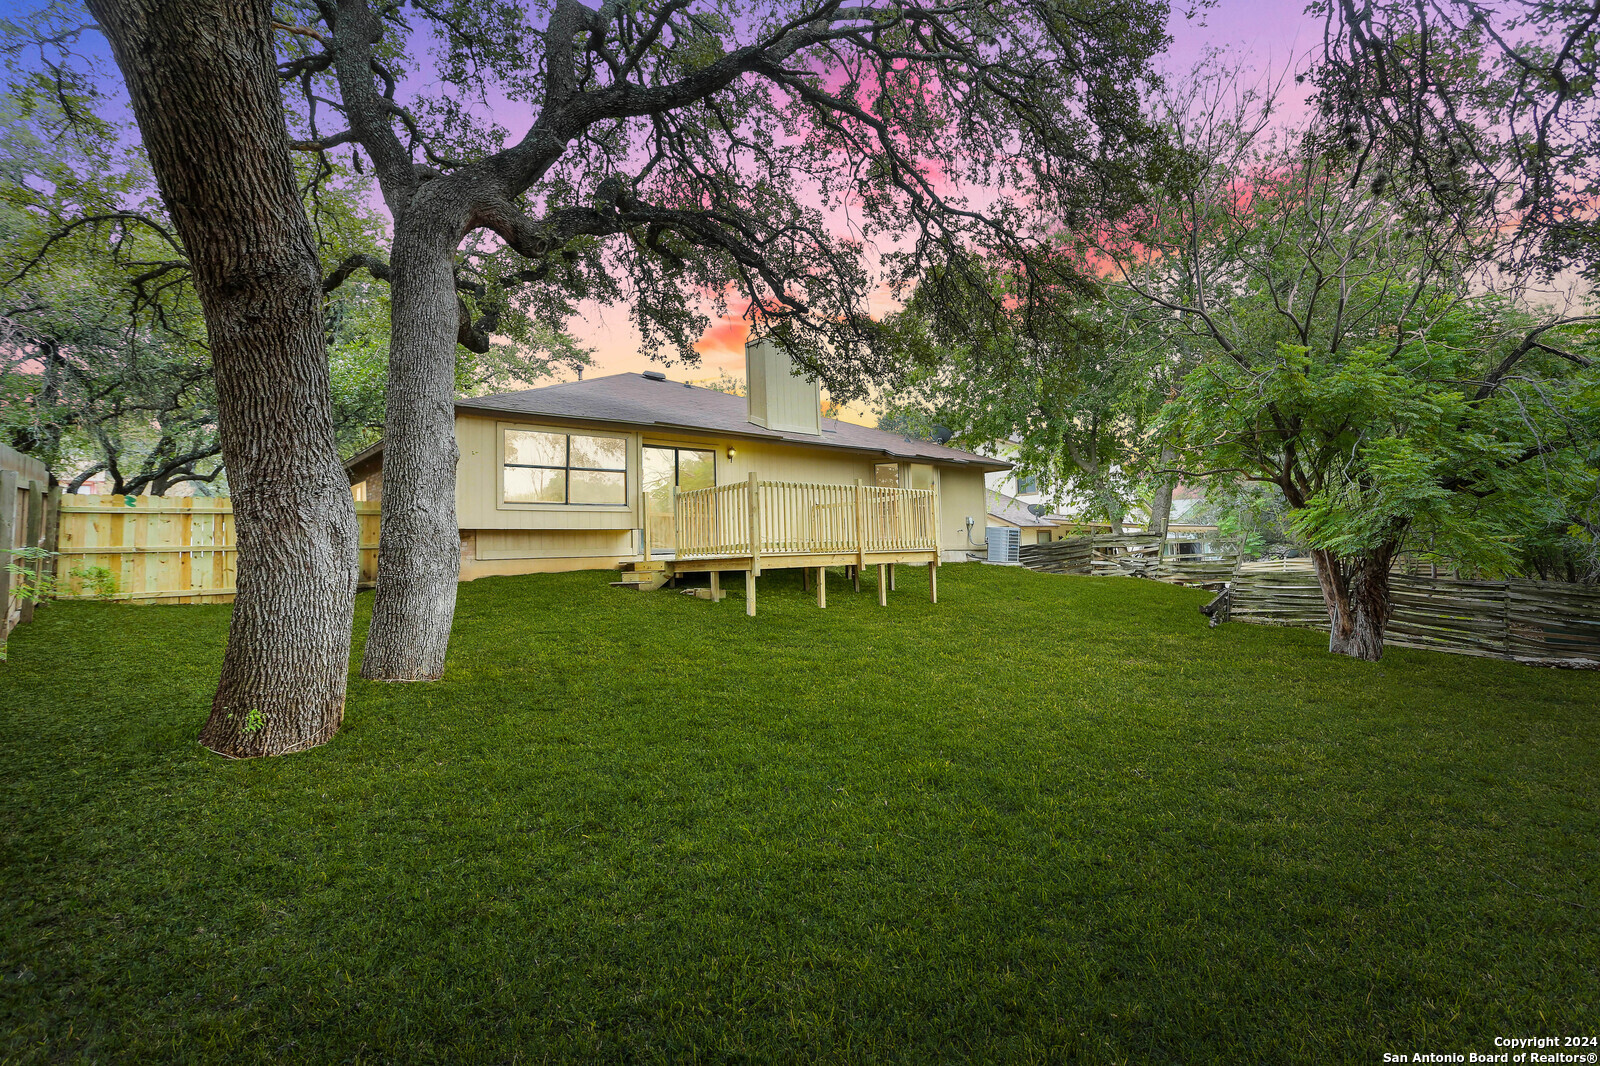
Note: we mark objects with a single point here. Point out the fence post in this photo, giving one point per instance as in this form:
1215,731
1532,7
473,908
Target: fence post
8,539
35,532
1506,607
755,534
52,529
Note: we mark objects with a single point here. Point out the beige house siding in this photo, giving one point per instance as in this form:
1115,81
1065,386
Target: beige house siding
500,538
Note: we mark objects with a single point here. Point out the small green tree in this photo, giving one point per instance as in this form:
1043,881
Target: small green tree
1364,366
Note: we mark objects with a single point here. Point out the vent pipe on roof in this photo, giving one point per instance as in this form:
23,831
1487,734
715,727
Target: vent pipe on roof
778,397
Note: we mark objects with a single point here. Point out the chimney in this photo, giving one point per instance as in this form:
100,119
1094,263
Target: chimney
779,398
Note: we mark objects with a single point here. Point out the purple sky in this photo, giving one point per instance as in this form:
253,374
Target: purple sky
1271,34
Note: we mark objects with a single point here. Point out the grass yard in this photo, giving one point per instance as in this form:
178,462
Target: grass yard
1049,819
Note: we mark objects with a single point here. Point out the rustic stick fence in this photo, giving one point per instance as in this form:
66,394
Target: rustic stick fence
180,550
1129,555
1537,621
1529,621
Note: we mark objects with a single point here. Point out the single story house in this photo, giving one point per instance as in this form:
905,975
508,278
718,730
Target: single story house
584,475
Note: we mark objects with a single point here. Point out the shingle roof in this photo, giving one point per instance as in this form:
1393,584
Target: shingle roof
1010,509
633,399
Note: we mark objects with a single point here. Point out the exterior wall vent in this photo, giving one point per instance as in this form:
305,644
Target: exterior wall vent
1005,545
779,398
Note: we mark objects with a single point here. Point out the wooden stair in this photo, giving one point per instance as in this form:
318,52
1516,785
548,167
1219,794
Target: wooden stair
642,577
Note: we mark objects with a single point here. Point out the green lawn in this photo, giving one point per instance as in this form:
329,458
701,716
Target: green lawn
1048,819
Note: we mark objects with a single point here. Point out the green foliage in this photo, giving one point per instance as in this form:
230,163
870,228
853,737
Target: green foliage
771,122
1129,839
1250,514
1368,367
1483,117
29,581
100,582
105,366
1067,383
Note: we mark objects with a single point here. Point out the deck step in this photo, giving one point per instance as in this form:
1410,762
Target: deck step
642,582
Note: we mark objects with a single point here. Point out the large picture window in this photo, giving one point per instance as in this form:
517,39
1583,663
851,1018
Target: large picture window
565,468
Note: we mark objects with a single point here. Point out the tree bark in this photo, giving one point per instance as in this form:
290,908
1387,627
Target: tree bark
1356,591
1161,506
420,558
202,81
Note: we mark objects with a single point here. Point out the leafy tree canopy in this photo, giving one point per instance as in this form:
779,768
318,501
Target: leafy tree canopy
1481,116
786,155
106,368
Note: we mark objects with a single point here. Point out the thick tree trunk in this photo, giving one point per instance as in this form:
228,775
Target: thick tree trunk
419,558
1161,506
1356,591
205,94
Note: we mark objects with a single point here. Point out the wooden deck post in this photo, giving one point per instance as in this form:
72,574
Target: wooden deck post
755,536
716,586
35,530
805,579
822,586
883,585
750,593
855,574
644,518
933,582
891,577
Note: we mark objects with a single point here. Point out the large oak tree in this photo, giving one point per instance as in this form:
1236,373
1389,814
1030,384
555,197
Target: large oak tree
788,155
200,77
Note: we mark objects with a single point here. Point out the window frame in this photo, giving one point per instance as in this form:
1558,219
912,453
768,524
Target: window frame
567,433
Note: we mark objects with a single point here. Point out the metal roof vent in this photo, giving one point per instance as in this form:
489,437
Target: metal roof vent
655,375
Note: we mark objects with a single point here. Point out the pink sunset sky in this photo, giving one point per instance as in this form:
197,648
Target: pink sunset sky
1271,34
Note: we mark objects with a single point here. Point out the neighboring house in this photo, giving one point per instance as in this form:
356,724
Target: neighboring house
1011,482
1025,489
581,475
1043,528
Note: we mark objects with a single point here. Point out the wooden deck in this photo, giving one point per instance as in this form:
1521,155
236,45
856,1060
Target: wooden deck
779,525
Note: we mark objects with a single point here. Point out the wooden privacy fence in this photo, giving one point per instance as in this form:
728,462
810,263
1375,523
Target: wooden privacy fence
755,518
1539,621
27,520
180,550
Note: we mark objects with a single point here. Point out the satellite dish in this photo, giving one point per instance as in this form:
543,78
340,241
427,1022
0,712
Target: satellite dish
942,434
1037,509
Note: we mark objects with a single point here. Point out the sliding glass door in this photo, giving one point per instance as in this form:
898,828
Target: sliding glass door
664,469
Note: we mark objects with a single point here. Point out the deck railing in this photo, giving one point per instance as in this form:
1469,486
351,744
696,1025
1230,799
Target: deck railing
758,518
